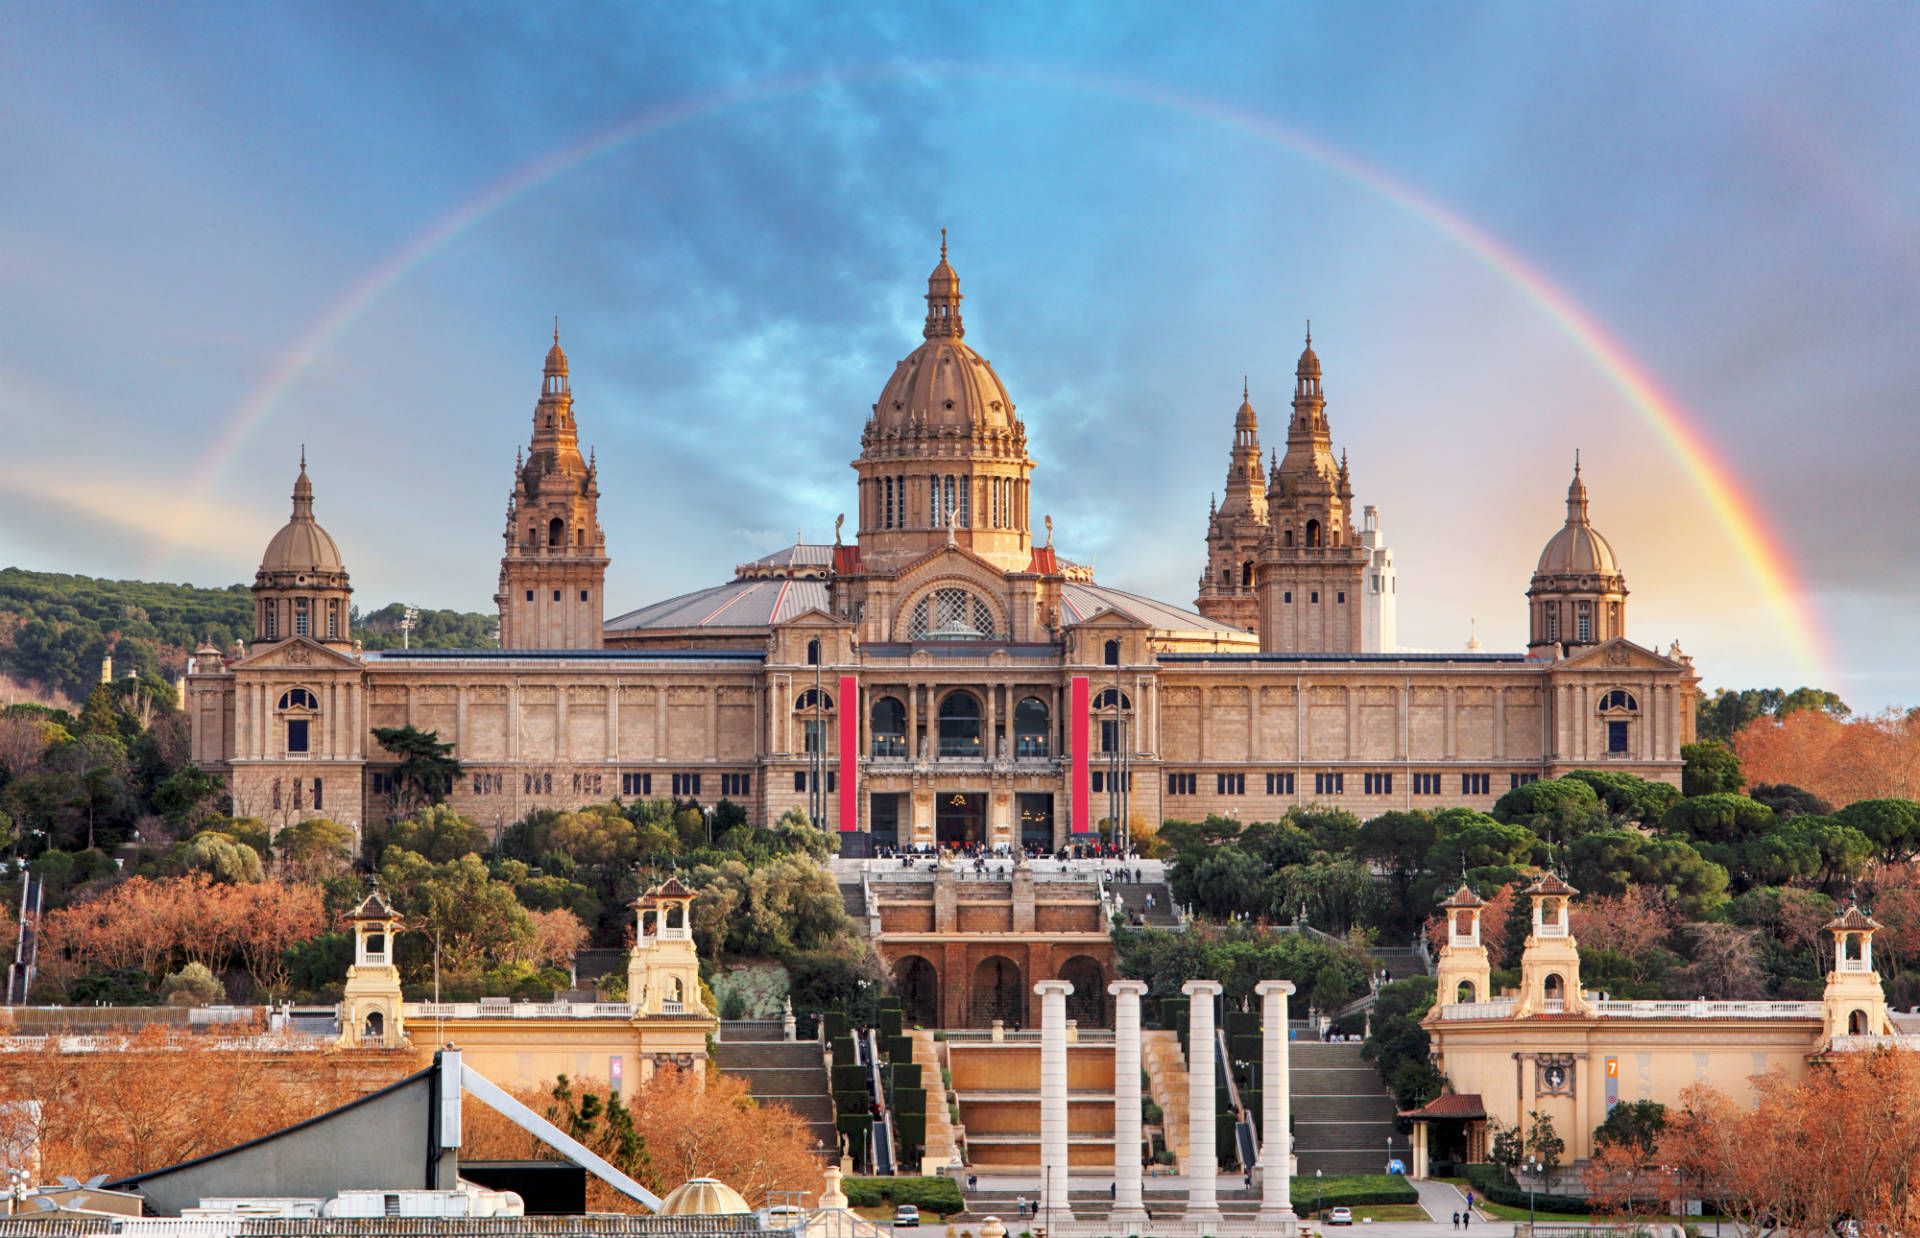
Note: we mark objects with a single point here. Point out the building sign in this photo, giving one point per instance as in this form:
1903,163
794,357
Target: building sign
1082,771
616,1074
849,753
1613,1083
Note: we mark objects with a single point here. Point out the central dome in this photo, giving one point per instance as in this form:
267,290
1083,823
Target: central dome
1577,548
302,547
943,385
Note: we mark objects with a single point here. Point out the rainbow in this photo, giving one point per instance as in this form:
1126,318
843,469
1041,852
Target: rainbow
1758,547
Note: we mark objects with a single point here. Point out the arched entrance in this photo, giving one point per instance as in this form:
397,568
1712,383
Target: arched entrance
376,1026
917,985
1087,1004
1463,993
997,993
1857,1023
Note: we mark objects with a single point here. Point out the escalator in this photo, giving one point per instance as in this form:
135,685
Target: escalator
1245,1143
880,1148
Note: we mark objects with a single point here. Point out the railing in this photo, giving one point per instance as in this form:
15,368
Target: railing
528,1010
1550,930
1498,1008
1707,1010
1862,1044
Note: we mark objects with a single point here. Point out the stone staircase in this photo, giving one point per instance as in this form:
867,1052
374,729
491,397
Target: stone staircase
1401,962
1132,897
853,896
779,1071
942,1136
1166,1069
1342,1115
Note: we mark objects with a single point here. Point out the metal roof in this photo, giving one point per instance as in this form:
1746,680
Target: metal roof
736,604
565,655
1083,601
1431,658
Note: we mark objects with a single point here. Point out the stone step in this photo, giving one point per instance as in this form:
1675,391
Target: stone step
768,1054
1334,1082
753,1031
779,1080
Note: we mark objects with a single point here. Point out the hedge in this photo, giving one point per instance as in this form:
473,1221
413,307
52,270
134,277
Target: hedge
858,1128
836,1024
939,1195
1492,1182
1353,1191
849,1078
898,1048
905,1075
852,1102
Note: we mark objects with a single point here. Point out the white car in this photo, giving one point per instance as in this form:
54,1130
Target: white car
906,1216
1340,1216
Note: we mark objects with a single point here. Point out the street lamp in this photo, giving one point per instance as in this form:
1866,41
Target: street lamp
1534,1169
1389,1153
409,619
1317,1175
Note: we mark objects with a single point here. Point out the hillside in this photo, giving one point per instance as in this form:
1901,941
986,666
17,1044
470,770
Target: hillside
56,628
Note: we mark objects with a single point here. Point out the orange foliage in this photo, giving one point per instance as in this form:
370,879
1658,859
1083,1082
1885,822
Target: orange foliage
1620,1183
694,1127
1631,923
164,1095
558,936
155,926
1839,761
1842,1142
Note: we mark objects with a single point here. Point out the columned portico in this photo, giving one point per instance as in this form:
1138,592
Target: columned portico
1128,1208
1203,1166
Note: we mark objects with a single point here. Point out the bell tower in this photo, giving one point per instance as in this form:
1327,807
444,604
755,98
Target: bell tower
1235,530
663,976
1854,1004
1463,974
553,573
1313,567
371,1012
1550,962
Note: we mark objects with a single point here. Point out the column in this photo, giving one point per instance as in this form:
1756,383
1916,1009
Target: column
1276,1109
1128,1211
1054,1183
1203,1164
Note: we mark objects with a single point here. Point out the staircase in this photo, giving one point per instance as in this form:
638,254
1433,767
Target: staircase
1132,897
1342,1115
779,1071
942,1136
1401,961
853,896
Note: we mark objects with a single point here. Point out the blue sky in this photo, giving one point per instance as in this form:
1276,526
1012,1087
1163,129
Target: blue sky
1730,190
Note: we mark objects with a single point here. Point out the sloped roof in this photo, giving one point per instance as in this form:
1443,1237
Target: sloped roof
1467,1105
1083,601
800,554
736,604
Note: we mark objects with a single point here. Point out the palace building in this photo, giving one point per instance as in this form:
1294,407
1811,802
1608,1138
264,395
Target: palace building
944,673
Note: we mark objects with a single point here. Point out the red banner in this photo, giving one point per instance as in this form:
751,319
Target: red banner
1082,763
849,753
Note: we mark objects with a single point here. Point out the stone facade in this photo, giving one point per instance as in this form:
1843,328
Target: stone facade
947,675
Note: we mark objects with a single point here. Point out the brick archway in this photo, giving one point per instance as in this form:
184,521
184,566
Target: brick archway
997,993
916,982
1088,1003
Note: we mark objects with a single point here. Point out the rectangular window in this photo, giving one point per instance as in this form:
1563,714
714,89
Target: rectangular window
1329,784
800,780
686,784
735,784
1341,597
815,732
333,620
1109,735
636,784
383,784
300,623
1521,780
1279,784
1287,597
556,595
1315,599
1183,784
276,795
1617,739
1378,784
296,735
1583,625
1476,784
1230,784
1104,781
1426,784
317,797
583,595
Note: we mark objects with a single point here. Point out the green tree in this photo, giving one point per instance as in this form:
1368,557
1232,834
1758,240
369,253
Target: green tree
1545,799
1399,843
457,908
1399,1048
1787,800
1717,817
1636,1124
604,1126
436,832
427,768
1710,767
100,717
222,857
1721,716
188,797
1628,797
1544,1143
314,849
1893,825
1471,839
193,985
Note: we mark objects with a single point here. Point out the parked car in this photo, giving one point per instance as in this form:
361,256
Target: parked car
906,1216
1340,1216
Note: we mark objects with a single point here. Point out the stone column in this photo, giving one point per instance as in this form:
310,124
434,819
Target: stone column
1054,1185
1203,1164
1276,1109
1128,1210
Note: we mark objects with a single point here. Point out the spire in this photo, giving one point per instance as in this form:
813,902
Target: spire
943,299
303,490
554,376
1309,366
1576,494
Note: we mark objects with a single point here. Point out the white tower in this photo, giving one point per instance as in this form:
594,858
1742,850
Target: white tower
1379,622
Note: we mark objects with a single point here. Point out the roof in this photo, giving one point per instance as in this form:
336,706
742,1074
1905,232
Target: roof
1480,659
702,1197
800,554
1458,1105
1083,601
1550,883
373,907
1463,897
672,889
736,604
1852,920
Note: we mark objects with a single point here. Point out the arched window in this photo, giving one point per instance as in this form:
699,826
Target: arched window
1111,655
375,1027
556,532
950,614
1313,532
1554,987
960,725
1246,574
1286,537
1463,995
1106,699
1030,728
812,706
1619,699
813,652
298,698
889,722
1857,1023
806,701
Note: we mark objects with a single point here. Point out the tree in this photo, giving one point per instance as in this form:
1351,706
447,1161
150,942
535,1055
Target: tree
1892,825
1708,767
1399,1047
1717,817
1546,799
1634,923
1544,1143
315,849
435,832
1399,843
1787,800
221,857
1634,1125
193,985
1726,713
427,769
458,908
1507,1147
1639,801
1724,963
1838,761
188,798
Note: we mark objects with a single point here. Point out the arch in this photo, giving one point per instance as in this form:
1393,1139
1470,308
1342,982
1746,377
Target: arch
1857,1023
951,613
1106,698
1463,993
888,722
1088,1002
556,532
1553,987
298,698
1463,923
676,990
916,983
1246,574
1313,532
813,652
1031,725
375,1028
1621,700
1110,656
376,947
996,993
805,702
959,723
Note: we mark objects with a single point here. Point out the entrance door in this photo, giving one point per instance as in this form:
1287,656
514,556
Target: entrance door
883,815
960,817
1036,819
1617,738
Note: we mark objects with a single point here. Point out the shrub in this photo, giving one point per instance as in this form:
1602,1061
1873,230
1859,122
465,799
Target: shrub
1352,1190
1492,1182
939,1195
193,985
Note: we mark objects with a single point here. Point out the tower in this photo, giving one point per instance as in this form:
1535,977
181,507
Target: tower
553,573
663,976
1463,974
1235,530
1380,625
301,588
1550,962
1854,1004
1312,567
371,1011
1578,595
944,458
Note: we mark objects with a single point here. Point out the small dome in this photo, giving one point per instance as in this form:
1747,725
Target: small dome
302,547
1245,419
556,356
1577,549
703,1197
1309,366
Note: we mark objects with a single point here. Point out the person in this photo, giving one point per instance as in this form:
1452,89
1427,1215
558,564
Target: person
1456,1218
1020,1206
1466,1219
1246,1180
1113,1190
973,1182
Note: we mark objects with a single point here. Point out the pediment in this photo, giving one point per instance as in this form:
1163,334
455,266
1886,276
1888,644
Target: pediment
1110,616
814,617
950,563
1618,654
299,652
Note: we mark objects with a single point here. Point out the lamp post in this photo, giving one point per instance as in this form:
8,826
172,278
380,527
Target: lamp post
1317,1175
409,619
1389,1153
1534,1169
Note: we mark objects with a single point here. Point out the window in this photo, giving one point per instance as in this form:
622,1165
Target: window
1106,781
1229,784
950,614
1112,655
1521,780
301,624
1286,596
1109,735
276,795
813,652
1620,699
886,517
814,738
803,780
489,784
557,532
1553,622
736,784
583,595
1315,597
812,697
1107,697
1329,784
889,723
1030,727
1426,784
298,698
686,784
1378,784
1313,536
1340,598
1583,624
383,784
556,595
317,794
1183,784
1279,784
296,735
333,620
536,784
272,624
1617,739
636,784
959,722
586,784
1476,784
